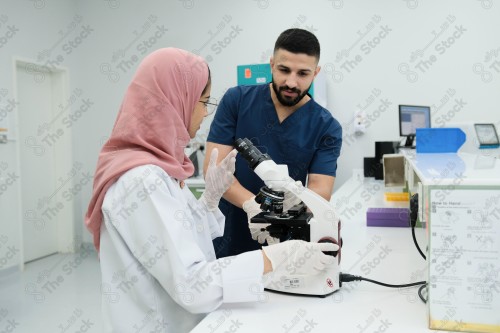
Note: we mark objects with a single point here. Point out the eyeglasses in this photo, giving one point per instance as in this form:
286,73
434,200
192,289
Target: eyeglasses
211,105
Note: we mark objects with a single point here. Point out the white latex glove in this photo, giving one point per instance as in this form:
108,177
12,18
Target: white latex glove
300,257
290,198
257,230
218,178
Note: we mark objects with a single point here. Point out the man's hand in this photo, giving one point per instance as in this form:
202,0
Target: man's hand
257,230
291,199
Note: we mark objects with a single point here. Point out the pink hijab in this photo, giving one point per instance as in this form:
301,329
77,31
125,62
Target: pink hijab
152,124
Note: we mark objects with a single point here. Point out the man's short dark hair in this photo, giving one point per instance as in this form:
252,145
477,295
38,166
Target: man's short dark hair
298,41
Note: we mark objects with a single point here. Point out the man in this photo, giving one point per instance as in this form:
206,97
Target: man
282,120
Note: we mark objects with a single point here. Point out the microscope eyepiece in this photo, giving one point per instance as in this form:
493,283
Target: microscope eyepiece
250,153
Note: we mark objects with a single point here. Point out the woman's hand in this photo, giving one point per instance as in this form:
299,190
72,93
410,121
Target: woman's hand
218,178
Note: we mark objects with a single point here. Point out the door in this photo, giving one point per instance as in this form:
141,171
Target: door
40,142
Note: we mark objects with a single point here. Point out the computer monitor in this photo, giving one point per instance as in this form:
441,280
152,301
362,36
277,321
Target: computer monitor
412,117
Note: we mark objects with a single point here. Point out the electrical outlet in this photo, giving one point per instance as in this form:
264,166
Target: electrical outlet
359,123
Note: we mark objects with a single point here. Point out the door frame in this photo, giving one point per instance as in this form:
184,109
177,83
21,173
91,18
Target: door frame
66,240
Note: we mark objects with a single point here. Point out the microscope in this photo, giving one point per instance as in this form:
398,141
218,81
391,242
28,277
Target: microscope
313,220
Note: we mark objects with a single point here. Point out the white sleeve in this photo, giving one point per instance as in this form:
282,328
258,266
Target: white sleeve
182,259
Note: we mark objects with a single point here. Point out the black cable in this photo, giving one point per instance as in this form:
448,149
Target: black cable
349,278
413,221
416,244
420,293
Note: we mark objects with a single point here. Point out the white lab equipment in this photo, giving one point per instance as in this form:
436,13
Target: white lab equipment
321,225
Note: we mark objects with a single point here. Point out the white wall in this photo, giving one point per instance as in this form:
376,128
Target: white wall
119,28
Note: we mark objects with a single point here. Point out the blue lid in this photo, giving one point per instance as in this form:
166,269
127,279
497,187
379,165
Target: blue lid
439,140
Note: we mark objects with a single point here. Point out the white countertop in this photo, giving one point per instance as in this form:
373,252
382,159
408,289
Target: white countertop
455,168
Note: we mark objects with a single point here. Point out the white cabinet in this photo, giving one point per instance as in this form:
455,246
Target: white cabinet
459,198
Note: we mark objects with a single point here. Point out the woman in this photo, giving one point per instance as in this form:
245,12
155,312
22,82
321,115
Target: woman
158,264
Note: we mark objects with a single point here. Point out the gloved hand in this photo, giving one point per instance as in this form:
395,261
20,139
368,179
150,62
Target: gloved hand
257,230
218,178
300,257
290,198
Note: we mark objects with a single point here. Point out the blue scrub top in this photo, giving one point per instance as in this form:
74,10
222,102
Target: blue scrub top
308,141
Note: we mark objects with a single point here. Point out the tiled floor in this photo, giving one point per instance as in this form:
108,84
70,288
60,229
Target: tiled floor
56,294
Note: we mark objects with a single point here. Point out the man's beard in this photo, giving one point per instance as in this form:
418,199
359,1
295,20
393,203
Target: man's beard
288,101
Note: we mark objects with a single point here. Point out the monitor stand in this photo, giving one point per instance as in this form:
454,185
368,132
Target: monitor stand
410,139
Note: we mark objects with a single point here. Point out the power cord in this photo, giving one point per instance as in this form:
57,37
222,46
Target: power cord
349,278
416,244
423,284
420,292
413,221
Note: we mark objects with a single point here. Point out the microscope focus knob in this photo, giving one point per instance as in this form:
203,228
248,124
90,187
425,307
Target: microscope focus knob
332,241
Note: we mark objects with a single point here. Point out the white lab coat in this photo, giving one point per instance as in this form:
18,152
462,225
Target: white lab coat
158,264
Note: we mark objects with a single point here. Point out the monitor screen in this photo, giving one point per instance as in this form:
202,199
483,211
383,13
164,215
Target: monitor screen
412,117
487,135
